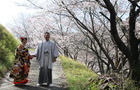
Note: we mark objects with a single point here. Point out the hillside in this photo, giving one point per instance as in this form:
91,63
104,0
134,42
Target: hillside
77,75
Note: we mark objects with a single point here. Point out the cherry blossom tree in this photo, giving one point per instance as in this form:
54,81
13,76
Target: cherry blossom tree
102,32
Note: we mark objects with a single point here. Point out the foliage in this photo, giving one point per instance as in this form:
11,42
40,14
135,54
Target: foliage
7,48
108,82
112,81
129,85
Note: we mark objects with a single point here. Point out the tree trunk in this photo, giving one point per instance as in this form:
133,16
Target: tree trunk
135,73
133,46
135,64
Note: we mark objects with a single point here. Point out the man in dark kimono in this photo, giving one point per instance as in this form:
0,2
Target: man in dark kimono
46,54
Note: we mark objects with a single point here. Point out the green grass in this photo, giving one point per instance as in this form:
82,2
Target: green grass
77,75
31,49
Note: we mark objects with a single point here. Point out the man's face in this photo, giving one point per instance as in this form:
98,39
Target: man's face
47,36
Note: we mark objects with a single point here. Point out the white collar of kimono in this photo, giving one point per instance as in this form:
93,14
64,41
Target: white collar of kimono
47,41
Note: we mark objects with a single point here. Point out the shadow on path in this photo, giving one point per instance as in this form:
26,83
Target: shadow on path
28,87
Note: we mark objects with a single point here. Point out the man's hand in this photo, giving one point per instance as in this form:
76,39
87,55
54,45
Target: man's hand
31,56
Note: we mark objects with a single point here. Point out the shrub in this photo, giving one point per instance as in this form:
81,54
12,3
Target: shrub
7,49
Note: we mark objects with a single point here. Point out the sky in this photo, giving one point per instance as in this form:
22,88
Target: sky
9,11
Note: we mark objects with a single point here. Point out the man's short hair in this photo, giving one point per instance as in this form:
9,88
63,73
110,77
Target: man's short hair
46,33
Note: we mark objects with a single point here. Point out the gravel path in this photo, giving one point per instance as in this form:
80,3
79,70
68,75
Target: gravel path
59,82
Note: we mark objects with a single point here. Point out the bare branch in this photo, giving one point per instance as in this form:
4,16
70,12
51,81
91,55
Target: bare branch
105,16
101,4
34,4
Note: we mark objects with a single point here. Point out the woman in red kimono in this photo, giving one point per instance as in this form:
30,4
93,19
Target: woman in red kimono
21,66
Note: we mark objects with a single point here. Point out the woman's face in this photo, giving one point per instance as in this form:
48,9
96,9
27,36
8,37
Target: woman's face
24,41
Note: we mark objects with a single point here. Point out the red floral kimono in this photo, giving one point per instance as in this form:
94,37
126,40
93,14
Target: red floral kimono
21,66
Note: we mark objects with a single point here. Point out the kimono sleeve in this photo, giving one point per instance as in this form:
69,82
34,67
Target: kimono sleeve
55,51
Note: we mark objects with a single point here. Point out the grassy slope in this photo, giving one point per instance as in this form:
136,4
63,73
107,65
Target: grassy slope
77,75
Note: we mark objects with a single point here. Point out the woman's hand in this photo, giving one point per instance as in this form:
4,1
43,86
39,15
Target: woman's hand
31,56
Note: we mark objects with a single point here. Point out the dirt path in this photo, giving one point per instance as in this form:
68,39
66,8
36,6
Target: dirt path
59,82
